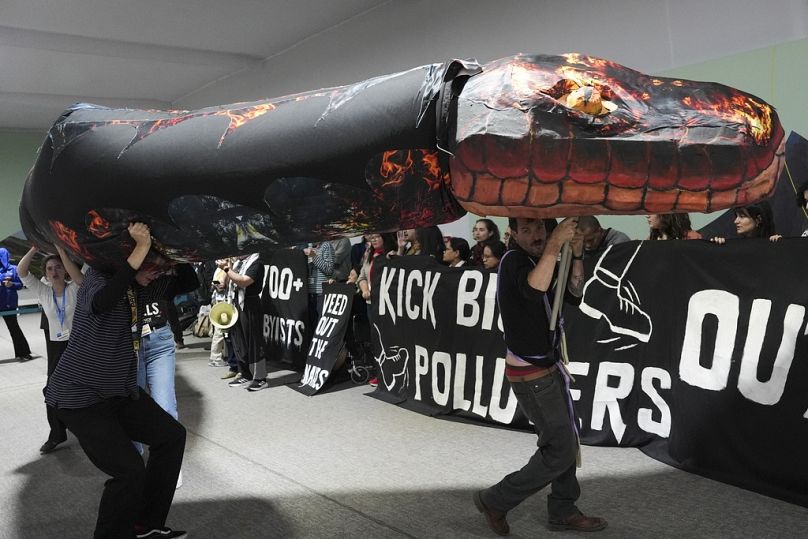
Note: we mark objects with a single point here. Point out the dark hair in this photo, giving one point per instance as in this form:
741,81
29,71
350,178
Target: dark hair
492,227
549,225
431,241
801,194
49,258
389,243
56,258
762,214
588,222
462,247
497,249
673,225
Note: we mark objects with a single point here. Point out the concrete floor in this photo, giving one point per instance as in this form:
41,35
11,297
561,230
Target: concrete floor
279,464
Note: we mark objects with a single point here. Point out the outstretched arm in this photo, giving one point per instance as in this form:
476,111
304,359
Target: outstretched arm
25,262
72,269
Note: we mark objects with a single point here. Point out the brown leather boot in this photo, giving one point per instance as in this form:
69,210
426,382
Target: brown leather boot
496,520
577,522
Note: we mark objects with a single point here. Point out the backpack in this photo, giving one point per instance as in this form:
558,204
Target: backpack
202,326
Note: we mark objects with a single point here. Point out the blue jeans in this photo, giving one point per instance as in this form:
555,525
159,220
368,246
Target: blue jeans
155,368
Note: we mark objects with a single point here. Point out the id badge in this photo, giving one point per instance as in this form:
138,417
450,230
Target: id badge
145,330
63,335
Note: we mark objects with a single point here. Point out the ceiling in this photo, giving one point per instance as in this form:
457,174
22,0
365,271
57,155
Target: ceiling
144,53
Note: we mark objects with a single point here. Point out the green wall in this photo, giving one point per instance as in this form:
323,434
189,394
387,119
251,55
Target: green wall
777,74
17,153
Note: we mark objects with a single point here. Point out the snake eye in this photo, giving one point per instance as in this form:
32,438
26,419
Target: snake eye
588,99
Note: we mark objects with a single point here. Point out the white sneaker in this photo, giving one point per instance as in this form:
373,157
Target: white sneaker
179,481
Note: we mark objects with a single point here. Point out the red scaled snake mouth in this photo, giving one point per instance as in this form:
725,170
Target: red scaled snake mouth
535,138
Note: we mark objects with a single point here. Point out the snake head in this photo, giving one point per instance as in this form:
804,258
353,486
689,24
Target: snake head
549,136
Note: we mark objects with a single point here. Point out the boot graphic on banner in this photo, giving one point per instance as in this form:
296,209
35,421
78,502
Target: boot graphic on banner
609,295
393,365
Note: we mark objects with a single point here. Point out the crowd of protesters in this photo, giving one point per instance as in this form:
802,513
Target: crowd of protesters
238,281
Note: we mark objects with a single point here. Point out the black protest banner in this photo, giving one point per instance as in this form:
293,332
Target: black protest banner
328,342
286,307
692,351
437,340
699,349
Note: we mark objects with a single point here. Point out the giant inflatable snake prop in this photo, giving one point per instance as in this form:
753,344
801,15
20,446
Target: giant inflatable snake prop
527,136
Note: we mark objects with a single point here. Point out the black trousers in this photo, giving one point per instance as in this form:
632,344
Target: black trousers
135,494
21,347
248,338
57,428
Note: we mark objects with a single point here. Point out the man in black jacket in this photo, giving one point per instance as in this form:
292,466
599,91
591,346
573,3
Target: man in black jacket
538,376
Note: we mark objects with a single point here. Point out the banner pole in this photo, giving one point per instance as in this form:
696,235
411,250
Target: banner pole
561,282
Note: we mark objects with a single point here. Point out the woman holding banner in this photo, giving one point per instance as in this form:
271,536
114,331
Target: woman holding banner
753,221
671,226
379,245
492,254
431,241
457,252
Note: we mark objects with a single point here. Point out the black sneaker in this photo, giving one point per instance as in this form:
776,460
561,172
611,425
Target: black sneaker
257,385
163,532
49,446
238,381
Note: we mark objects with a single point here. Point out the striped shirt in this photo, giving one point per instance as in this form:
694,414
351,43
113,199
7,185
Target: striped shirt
321,267
100,360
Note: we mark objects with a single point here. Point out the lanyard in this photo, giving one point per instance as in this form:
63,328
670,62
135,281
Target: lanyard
130,295
61,312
